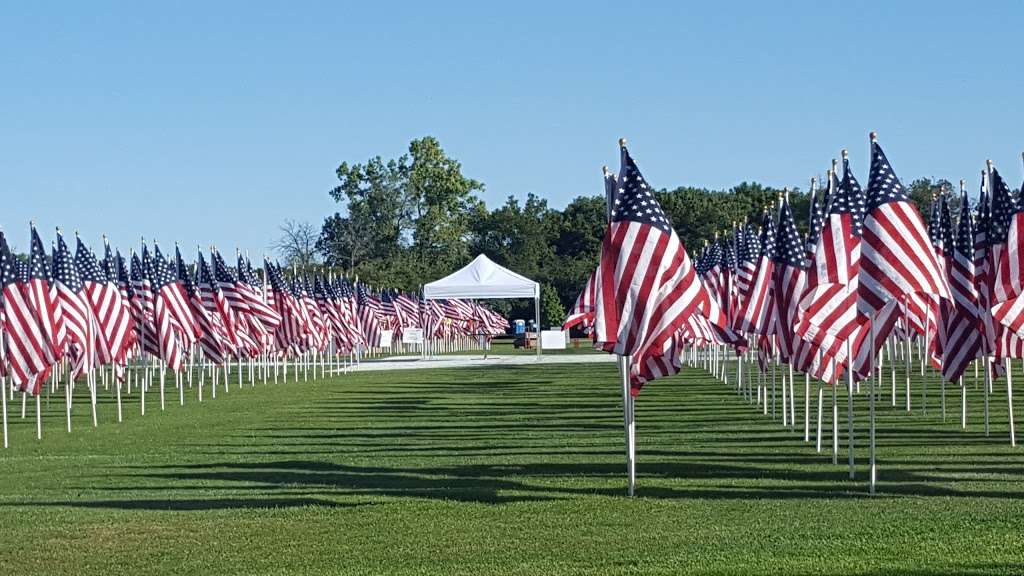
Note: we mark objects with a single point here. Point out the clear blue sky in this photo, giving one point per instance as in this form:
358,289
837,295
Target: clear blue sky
212,122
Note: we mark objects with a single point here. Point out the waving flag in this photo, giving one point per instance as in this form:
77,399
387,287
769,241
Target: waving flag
583,310
788,280
27,347
646,283
43,299
77,314
960,331
830,297
897,258
756,312
167,297
109,310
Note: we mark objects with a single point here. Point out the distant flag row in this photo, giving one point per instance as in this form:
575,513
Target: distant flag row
868,268
94,311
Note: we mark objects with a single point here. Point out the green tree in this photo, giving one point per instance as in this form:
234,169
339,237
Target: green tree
551,311
405,220
443,202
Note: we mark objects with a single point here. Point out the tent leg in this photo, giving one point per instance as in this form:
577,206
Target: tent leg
536,315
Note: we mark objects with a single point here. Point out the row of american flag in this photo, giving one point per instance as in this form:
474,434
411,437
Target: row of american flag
81,312
869,269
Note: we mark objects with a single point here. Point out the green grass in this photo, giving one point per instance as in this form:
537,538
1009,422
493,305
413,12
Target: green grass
517,470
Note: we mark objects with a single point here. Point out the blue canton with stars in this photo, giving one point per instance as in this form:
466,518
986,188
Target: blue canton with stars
849,199
965,230
768,235
1003,208
162,273
635,201
87,265
883,185
38,268
789,249
64,270
814,226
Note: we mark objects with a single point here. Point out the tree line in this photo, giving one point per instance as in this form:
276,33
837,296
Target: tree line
406,221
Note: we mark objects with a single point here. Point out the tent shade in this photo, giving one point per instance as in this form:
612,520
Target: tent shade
482,279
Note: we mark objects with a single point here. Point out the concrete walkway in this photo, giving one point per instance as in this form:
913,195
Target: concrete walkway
462,360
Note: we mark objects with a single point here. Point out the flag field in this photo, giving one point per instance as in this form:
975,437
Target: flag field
511,470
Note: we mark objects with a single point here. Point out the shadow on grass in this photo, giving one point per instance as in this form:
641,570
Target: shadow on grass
495,440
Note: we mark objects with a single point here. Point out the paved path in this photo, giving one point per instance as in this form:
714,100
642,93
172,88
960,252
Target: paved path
458,361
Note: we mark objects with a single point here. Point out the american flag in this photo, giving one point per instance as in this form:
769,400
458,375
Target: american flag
77,314
215,303
350,310
292,330
897,258
110,311
830,312
410,308
247,331
43,299
583,310
142,305
1005,234
319,337
646,283
177,301
756,307
960,330
213,338
788,280
26,344
369,310
166,294
249,289
327,301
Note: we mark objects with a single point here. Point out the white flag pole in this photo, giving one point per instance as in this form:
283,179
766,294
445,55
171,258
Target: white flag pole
872,468
624,362
3,392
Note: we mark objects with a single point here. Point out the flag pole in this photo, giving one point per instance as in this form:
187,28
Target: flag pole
3,389
987,178
872,468
628,402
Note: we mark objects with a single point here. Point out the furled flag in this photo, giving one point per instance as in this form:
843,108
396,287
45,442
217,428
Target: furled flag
788,281
142,304
897,259
960,331
167,296
583,310
1005,256
26,344
757,310
104,298
213,339
646,283
830,298
42,299
77,314
369,310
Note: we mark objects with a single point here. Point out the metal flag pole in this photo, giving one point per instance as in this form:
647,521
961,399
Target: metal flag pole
629,424
628,402
3,392
849,402
1009,399
906,343
872,468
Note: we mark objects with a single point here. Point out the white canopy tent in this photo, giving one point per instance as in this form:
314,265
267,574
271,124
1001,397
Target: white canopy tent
483,279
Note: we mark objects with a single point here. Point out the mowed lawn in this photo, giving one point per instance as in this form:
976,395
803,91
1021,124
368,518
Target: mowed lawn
517,470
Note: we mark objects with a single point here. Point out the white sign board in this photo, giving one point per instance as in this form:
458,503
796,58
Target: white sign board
553,339
385,338
412,336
